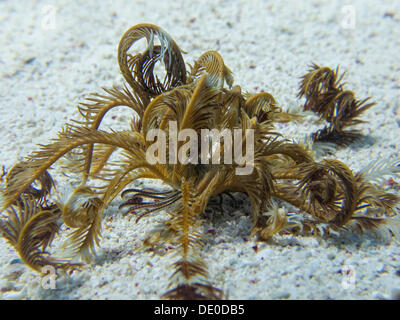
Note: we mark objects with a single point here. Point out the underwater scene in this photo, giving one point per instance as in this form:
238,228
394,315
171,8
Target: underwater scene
199,150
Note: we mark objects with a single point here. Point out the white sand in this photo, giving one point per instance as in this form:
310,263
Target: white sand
78,56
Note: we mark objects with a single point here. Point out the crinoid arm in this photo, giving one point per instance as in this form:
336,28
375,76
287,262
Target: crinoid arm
94,110
264,106
30,226
326,97
212,64
333,195
138,70
160,200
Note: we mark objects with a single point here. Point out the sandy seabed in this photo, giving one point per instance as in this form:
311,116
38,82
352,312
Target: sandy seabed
53,53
